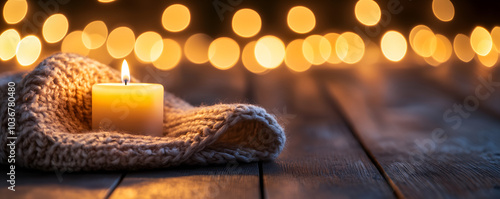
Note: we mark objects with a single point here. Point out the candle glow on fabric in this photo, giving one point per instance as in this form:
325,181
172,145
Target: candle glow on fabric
135,108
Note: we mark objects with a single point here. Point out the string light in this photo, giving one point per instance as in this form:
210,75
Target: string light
462,47
28,50
223,53
367,12
120,42
14,11
393,45
55,28
270,51
176,18
301,19
443,10
8,44
294,57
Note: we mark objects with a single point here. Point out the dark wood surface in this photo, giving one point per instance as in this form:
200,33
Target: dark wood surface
401,119
321,159
364,132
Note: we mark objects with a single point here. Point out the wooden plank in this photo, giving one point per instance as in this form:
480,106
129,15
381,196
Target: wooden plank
230,181
321,158
197,84
37,184
403,122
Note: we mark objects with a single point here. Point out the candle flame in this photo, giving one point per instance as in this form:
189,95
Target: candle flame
125,72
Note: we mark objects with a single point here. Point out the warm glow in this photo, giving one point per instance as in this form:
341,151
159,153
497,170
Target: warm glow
249,60
105,1
125,72
350,47
8,44
120,42
294,57
443,10
170,56
55,28
332,38
73,43
301,20
393,45
490,59
463,50
101,54
423,41
495,36
316,49
367,12
431,61
481,41
94,34
223,53
246,22
14,11
176,18
270,51
196,48
145,48
443,49
28,50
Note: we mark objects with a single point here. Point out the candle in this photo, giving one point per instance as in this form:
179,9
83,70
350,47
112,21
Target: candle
135,108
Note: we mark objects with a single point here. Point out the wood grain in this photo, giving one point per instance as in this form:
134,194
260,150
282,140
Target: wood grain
321,158
400,119
37,184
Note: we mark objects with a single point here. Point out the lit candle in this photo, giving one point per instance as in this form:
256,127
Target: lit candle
135,108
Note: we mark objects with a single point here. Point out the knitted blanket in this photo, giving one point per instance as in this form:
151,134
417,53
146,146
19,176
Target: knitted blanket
54,118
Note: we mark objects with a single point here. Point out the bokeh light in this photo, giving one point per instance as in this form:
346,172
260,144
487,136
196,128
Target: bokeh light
176,18
8,44
249,60
196,48
55,28
73,43
463,50
145,48
170,56
393,45
106,1
28,50
495,36
223,53
270,51
101,54
443,49
350,48
443,10
431,61
332,38
294,56
301,19
423,41
14,11
480,40
246,22
367,12
490,59
120,42
316,49
94,34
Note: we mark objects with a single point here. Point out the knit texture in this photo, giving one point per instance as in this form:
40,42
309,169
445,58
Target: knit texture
54,119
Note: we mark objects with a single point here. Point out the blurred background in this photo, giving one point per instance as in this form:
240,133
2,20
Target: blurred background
253,37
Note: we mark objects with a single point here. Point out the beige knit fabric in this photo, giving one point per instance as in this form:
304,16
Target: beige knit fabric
53,113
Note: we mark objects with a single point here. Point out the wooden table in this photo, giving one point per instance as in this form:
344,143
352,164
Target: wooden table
363,132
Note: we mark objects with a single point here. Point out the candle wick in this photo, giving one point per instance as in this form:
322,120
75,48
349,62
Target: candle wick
125,82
